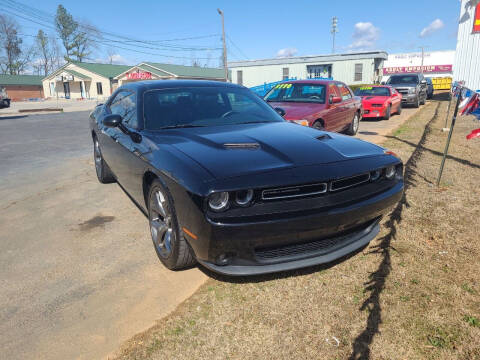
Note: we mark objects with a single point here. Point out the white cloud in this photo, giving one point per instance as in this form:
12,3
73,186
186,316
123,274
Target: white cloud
365,36
287,52
435,25
116,59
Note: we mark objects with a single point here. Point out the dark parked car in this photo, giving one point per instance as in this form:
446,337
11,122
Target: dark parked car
4,100
226,181
322,104
413,88
430,89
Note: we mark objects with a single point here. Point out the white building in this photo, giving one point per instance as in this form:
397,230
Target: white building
467,58
351,68
435,63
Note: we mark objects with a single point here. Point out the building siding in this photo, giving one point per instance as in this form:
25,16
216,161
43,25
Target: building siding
341,70
467,57
23,92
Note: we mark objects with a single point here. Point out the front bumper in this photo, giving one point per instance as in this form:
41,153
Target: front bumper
374,112
289,240
409,99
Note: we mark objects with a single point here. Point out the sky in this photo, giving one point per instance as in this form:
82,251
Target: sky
257,29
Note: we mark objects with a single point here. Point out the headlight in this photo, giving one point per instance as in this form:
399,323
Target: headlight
301,122
218,201
375,175
411,90
244,197
390,172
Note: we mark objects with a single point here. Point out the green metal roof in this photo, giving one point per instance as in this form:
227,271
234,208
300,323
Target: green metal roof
153,70
106,70
20,80
190,71
77,74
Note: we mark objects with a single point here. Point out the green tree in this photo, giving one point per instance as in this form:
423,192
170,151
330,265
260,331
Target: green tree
67,29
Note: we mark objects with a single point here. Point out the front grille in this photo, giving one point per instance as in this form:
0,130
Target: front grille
349,182
294,191
315,247
377,105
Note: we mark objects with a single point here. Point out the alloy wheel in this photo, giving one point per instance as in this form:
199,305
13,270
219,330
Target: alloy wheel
161,224
355,124
97,155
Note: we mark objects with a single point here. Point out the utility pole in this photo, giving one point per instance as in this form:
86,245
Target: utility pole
423,56
225,66
334,31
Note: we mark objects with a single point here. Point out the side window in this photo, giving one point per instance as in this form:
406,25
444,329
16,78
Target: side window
333,90
358,72
344,92
124,104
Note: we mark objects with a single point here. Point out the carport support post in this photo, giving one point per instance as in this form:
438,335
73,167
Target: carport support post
450,98
447,145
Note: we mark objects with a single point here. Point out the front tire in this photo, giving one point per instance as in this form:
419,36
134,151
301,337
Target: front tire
354,125
170,245
388,113
318,125
417,103
399,110
104,174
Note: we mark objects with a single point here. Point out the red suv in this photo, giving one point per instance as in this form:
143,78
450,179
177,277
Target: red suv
322,104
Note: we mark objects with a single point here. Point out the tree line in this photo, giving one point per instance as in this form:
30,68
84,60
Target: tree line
45,55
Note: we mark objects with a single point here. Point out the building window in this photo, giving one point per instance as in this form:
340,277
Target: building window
358,72
319,71
285,74
99,88
239,77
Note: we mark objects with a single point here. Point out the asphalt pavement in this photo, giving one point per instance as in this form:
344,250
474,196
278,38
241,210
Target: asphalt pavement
79,272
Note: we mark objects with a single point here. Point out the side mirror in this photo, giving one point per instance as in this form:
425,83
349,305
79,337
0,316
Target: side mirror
280,111
112,120
423,82
335,99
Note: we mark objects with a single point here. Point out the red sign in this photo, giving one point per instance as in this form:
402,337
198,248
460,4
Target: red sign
139,75
417,69
476,20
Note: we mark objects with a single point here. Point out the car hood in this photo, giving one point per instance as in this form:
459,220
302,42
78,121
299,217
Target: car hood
298,111
374,99
235,150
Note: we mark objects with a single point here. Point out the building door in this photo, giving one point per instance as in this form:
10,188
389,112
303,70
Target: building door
82,89
319,71
66,90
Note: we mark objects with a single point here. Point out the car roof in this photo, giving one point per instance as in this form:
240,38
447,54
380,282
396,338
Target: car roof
310,81
141,86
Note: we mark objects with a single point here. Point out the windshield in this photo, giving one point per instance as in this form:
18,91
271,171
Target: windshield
403,79
372,91
297,93
204,106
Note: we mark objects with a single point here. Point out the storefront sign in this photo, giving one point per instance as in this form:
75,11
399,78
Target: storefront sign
59,78
476,20
417,69
139,75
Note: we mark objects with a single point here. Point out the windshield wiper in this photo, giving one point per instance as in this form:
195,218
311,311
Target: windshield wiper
179,126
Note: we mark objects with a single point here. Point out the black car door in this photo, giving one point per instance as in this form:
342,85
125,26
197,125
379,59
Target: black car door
127,152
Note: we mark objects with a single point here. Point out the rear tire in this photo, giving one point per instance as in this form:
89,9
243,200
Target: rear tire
170,245
388,113
104,174
354,125
424,100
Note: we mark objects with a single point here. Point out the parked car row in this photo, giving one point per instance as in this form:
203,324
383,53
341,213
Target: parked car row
4,100
225,181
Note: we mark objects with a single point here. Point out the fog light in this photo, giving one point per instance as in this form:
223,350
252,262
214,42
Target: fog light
218,201
223,260
390,172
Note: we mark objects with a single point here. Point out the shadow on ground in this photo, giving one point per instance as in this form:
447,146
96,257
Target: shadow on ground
376,284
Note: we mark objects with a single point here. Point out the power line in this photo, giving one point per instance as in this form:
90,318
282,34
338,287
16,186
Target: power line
236,47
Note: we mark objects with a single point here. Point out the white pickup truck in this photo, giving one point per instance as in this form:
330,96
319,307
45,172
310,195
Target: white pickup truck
4,100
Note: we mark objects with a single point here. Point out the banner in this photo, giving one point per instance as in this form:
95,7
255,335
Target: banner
476,20
418,69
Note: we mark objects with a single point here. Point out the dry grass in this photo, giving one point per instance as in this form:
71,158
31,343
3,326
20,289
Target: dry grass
414,293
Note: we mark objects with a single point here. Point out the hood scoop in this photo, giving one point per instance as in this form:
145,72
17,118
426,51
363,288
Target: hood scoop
369,97
247,146
323,137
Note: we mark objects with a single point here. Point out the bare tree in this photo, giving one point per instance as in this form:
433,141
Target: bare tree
46,51
13,57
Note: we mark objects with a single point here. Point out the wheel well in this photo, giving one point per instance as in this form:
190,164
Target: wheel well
148,178
93,135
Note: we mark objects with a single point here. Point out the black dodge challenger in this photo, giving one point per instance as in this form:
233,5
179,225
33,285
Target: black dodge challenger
227,182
